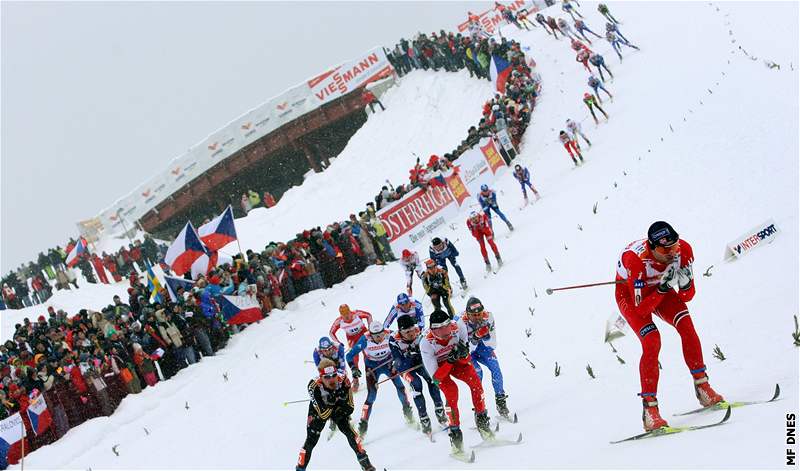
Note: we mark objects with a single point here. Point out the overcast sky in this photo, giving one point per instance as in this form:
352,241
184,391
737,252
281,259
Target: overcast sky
98,97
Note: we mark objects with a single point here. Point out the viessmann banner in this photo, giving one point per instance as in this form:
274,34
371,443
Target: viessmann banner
253,125
422,214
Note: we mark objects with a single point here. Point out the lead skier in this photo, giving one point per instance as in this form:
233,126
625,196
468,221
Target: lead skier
354,324
663,256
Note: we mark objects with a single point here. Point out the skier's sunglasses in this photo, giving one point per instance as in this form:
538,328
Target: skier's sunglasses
671,249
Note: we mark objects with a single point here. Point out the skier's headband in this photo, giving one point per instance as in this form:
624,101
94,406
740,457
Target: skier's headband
328,372
439,325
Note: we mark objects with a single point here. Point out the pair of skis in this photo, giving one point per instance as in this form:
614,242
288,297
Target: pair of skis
724,405
492,442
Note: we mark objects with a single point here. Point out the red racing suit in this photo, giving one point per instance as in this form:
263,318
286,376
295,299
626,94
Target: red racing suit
638,299
481,229
353,329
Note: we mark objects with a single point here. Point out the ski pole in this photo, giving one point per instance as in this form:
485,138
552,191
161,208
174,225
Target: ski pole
295,402
398,374
615,282
370,371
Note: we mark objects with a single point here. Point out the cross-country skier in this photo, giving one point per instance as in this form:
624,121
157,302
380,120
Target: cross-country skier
603,9
566,28
599,61
588,99
442,251
410,262
478,225
580,27
574,129
664,257
488,201
551,22
540,19
437,286
445,354
615,41
354,324
583,57
378,362
613,27
578,46
597,85
405,306
567,7
331,399
571,145
482,343
327,348
522,19
407,358
523,176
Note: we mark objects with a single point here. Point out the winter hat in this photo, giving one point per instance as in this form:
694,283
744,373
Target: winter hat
402,298
405,322
376,327
439,318
41,319
325,343
661,234
474,305
406,253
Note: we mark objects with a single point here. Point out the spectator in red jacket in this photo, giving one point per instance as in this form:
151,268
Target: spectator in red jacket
370,99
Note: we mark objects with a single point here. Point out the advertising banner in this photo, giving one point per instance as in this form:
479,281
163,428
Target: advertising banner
760,235
345,78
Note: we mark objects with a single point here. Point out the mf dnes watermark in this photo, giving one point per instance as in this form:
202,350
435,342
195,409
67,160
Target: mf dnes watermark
791,440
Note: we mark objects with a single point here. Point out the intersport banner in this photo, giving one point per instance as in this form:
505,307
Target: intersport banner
246,129
422,214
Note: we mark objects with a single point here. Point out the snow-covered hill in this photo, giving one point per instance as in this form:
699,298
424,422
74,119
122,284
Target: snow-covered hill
700,135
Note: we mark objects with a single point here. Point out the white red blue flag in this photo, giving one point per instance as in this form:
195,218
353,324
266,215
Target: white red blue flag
240,309
12,433
218,232
39,415
206,262
185,250
75,254
499,70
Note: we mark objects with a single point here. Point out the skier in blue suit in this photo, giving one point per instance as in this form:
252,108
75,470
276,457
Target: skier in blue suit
488,200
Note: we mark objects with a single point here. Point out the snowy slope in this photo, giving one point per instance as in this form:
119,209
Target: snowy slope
730,165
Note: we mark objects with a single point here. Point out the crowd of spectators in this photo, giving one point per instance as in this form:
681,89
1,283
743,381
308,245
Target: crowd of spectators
85,364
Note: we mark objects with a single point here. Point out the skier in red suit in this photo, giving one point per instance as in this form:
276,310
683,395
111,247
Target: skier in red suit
478,224
354,324
648,272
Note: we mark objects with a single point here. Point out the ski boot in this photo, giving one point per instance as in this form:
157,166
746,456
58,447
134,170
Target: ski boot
355,383
425,422
464,285
705,394
456,440
363,460
484,426
651,418
488,266
362,427
580,156
499,261
502,407
441,416
573,159
408,414
510,226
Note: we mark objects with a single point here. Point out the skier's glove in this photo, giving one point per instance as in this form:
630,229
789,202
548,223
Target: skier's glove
462,350
356,373
685,277
452,357
668,280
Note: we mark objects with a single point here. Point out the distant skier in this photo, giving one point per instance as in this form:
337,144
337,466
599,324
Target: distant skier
407,358
571,146
482,343
596,85
566,29
445,354
478,225
551,22
540,19
354,324
588,99
437,286
614,28
664,257
443,251
578,46
583,57
603,9
405,306
567,7
574,129
580,27
379,362
331,399
411,264
523,176
599,61
488,201
615,42
522,19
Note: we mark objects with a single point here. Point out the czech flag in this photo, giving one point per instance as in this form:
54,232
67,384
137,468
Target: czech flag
206,262
12,433
76,252
499,70
219,232
173,284
240,309
185,250
153,285
39,415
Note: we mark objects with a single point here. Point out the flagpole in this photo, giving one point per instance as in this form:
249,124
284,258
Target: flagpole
22,460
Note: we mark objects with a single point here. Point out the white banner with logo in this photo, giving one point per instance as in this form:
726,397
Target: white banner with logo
759,236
